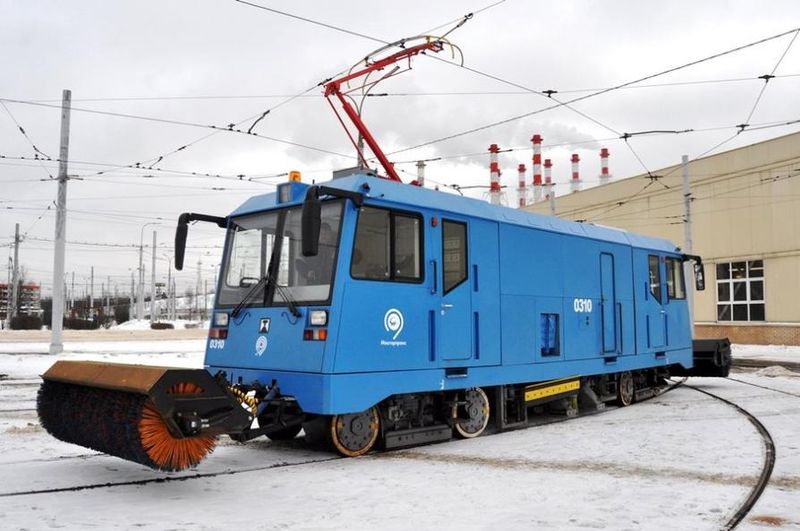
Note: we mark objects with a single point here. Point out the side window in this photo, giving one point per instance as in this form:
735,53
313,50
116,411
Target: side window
454,254
407,245
676,289
388,246
655,278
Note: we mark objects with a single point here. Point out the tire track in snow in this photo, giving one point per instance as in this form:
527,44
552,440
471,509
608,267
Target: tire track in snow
167,479
615,469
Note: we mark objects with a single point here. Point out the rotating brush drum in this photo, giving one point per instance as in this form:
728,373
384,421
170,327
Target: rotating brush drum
164,418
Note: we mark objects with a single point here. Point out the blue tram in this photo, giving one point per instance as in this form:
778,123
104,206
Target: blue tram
407,292
371,313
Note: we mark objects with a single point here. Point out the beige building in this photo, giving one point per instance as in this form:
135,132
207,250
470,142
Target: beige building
746,226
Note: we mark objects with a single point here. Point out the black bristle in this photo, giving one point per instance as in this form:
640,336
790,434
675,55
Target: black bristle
100,419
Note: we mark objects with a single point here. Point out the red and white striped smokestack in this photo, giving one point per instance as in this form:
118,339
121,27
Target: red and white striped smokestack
522,190
548,178
575,182
549,188
537,167
494,175
604,175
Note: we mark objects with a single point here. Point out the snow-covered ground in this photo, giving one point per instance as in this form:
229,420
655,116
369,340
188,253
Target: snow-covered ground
779,353
144,324
678,461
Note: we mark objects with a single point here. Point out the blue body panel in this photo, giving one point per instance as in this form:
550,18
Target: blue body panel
543,298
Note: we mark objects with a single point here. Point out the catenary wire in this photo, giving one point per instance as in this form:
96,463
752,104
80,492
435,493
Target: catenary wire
598,93
412,94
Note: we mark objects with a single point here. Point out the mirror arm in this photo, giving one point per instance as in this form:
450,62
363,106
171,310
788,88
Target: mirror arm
183,229
316,191
188,217
693,257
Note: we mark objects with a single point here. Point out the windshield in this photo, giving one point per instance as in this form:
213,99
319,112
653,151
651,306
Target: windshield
251,245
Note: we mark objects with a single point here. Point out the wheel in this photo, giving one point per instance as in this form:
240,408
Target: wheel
625,389
355,434
477,407
285,434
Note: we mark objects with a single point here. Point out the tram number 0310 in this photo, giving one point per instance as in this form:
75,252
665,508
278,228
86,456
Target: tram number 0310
582,305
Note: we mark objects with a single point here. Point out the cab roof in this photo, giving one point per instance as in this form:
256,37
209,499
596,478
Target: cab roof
379,191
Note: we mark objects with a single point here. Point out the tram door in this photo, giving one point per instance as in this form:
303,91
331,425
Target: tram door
656,313
608,302
454,332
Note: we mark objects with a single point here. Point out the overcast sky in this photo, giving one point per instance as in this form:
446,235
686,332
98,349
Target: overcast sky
221,62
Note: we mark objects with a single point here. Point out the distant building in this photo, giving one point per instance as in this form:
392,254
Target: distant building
746,226
29,300
5,301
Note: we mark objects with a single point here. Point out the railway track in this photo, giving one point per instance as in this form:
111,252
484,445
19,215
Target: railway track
75,488
733,521
769,455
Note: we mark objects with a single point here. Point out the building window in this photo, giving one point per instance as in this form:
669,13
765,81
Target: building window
740,291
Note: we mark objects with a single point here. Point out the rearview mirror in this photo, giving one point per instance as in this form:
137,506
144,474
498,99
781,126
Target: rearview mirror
311,221
699,277
180,240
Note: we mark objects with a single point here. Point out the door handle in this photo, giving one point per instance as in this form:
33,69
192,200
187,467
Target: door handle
435,287
444,306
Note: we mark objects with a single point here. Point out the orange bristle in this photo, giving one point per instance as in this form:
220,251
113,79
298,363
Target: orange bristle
165,450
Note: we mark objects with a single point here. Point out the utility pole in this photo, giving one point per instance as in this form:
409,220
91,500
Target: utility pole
91,294
140,287
57,324
140,298
7,323
153,282
197,286
107,312
205,299
688,271
12,305
169,290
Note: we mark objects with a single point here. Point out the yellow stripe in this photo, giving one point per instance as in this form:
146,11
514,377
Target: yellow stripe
543,392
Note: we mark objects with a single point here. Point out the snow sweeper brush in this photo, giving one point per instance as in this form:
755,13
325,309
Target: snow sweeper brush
165,418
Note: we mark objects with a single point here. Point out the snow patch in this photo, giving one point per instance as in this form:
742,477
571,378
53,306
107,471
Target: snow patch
775,371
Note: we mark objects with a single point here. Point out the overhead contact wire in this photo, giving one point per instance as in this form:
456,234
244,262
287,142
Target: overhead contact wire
600,92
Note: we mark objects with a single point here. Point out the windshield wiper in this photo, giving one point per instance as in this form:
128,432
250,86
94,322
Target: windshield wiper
286,297
265,281
261,282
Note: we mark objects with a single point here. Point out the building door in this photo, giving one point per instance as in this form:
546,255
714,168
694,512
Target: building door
454,333
608,302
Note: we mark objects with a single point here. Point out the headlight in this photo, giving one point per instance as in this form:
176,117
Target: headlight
221,319
318,318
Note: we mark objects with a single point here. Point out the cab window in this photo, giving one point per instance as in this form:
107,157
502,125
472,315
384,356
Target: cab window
388,246
676,289
655,277
454,254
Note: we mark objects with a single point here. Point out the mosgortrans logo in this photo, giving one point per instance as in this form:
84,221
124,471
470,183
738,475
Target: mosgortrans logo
393,323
